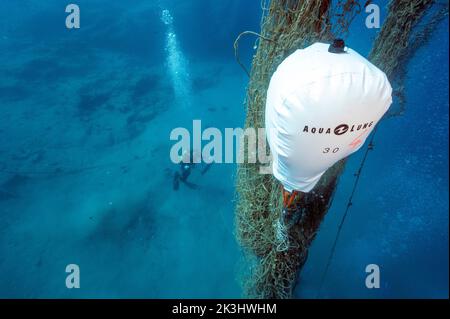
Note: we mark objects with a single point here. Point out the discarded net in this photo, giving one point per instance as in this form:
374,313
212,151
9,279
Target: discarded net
288,25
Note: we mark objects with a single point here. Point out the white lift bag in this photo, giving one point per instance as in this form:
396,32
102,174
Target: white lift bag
320,108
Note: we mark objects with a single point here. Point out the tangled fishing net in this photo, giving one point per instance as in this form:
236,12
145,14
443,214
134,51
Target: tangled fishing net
287,25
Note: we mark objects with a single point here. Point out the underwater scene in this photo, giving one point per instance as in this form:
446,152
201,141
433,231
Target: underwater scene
119,158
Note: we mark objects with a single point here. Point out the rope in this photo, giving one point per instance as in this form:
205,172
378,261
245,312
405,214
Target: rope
349,205
281,234
236,48
419,40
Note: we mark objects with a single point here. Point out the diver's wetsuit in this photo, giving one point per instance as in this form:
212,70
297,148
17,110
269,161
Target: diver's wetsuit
185,171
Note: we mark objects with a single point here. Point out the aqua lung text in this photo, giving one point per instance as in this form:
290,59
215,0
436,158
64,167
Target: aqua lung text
338,130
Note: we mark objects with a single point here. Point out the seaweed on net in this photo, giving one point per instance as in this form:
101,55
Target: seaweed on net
288,25
397,42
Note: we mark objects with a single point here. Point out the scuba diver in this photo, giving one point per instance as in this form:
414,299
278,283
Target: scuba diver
186,166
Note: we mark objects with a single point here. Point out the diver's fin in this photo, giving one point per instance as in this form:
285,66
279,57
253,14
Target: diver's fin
176,181
191,185
206,168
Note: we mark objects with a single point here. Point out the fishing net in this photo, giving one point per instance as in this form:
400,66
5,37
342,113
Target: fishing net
288,25
406,28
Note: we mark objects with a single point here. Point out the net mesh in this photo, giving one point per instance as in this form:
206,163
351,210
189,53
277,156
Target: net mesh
288,25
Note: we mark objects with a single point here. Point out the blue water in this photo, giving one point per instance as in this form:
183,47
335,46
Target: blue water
86,177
